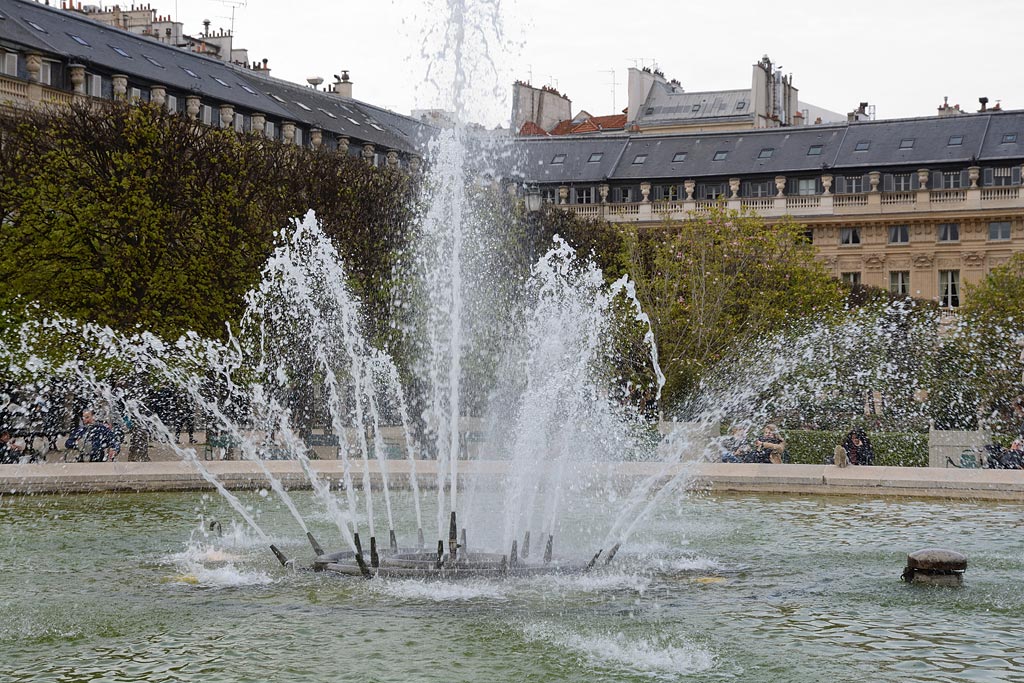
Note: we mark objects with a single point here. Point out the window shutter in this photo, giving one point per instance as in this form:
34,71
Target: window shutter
988,177
915,182
1015,174
888,184
659,193
936,180
965,180
617,195
840,187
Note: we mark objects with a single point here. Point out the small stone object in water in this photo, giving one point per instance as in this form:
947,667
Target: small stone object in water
936,567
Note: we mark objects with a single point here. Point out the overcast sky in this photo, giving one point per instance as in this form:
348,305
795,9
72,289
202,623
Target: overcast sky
902,56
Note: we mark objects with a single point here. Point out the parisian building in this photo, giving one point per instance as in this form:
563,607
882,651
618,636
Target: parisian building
56,55
918,206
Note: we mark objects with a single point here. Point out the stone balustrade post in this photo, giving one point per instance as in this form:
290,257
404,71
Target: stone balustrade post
227,116
120,82
874,177
258,124
34,67
316,138
973,173
602,190
734,188
76,73
645,192
158,96
780,186
369,152
826,184
288,132
563,195
192,107
922,178
689,186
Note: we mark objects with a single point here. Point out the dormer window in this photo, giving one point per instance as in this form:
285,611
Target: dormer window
153,61
765,153
220,81
720,155
558,159
695,107
248,89
679,157
190,72
862,146
121,51
1009,138
639,159
35,26
814,150
741,105
907,143
80,40
595,157
955,140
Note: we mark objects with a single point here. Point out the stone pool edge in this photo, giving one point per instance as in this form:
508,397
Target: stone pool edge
923,482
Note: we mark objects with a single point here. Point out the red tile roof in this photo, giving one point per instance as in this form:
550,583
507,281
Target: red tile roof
531,128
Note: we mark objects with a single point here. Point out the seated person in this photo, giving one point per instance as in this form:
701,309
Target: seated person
94,441
734,446
10,450
858,448
770,448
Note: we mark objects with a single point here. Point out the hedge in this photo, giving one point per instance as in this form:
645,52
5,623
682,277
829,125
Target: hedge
904,449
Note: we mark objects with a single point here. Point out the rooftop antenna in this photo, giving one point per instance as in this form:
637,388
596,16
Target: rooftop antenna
614,86
233,4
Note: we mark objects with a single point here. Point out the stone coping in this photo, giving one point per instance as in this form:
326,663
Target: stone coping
982,484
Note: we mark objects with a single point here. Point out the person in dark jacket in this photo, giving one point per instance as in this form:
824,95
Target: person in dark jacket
858,448
94,441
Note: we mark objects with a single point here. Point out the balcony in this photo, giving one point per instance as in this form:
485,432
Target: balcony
807,206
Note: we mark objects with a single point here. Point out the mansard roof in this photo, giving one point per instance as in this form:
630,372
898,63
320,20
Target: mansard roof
103,49
900,144
668,103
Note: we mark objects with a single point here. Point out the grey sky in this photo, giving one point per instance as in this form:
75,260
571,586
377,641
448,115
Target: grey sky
902,56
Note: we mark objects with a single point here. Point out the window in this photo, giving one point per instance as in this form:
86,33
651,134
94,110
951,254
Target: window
669,193
814,150
595,157
134,94
583,195
46,73
907,143
899,282
269,131
222,82
741,105
322,110
241,122
80,40
558,159
354,122
206,114
153,61
9,64
679,156
807,186
298,136
120,51
376,126
758,188
190,72
899,234
712,190
854,184
949,288
849,236
1000,177
720,155
902,182
639,159
955,140
1009,137
766,153
172,104
852,279
35,26
999,230
951,180
549,195
862,146
695,107
622,194
949,232
94,85
253,92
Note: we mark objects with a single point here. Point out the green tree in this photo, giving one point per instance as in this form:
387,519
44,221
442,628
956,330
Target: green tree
715,282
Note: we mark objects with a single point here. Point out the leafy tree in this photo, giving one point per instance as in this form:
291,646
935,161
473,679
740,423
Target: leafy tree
715,282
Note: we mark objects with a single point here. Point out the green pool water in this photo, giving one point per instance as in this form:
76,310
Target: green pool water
729,588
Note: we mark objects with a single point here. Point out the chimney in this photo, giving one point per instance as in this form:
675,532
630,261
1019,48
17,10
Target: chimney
984,104
206,27
342,85
261,69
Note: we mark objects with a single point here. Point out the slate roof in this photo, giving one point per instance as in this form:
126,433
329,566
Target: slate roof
183,72
668,103
792,150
